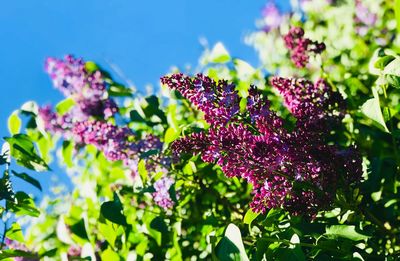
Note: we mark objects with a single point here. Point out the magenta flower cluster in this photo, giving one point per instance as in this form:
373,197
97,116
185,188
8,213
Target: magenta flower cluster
296,170
315,105
300,47
85,122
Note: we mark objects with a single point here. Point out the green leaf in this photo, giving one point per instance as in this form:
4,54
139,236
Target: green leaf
250,216
393,80
219,54
14,123
79,229
24,152
113,211
5,157
16,253
109,254
397,14
28,179
64,106
231,247
153,108
244,70
371,108
345,231
135,117
6,190
15,232
170,135
393,68
142,171
149,153
62,231
158,224
119,91
23,205
91,66
381,62
108,232
67,150
372,68
30,107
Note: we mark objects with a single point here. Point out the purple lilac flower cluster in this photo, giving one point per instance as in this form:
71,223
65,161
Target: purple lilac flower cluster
55,123
301,47
295,170
272,17
87,89
85,123
315,105
162,192
364,18
118,143
12,244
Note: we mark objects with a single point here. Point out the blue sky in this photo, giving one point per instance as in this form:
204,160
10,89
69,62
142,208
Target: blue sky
143,38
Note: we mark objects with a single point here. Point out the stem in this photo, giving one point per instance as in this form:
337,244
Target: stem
375,220
288,243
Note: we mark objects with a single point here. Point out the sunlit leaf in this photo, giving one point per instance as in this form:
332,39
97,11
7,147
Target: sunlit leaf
231,245
23,150
28,179
219,54
14,123
345,231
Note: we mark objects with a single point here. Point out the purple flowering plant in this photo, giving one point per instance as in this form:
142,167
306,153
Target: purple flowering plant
291,160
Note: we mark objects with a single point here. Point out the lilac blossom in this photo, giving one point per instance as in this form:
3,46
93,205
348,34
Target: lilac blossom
311,103
272,17
85,123
74,251
13,244
364,18
295,170
162,195
87,89
53,122
300,47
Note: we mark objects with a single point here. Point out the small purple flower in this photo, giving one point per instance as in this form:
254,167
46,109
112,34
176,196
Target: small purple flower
74,251
364,18
301,47
162,194
272,17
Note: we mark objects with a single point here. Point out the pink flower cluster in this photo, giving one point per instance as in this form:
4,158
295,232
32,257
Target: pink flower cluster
300,47
296,170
